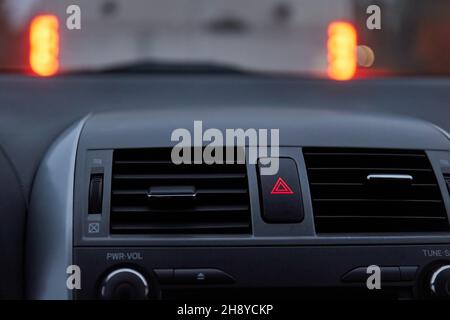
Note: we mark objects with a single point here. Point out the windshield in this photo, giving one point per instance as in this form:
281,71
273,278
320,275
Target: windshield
297,37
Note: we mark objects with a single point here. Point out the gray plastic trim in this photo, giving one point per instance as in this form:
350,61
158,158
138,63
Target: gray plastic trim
441,130
50,220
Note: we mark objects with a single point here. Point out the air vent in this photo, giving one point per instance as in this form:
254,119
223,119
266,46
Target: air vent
364,190
151,195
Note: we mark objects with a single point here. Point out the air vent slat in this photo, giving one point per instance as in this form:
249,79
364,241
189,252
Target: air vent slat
370,169
199,191
178,176
375,224
141,162
368,154
377,200
171,209
181,228
346,200
190,199
362,191
383,217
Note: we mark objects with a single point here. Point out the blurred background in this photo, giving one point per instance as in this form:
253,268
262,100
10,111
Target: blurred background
288,36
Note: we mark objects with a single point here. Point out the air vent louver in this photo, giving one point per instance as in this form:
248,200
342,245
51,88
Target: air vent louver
151,195
401,194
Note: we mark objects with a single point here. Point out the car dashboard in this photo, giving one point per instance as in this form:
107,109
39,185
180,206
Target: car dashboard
363,182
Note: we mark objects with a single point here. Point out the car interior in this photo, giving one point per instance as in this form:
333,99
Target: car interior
355,120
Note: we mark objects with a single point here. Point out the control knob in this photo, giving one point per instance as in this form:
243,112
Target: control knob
124,284
440,282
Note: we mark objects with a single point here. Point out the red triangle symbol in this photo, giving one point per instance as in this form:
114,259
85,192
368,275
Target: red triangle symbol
281,187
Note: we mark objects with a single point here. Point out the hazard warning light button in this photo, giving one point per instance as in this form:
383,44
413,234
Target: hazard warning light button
281,195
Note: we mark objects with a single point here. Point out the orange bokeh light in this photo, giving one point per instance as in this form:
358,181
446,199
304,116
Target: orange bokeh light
342,47
44,45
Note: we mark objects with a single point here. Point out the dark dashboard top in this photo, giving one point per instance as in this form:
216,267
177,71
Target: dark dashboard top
297,127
